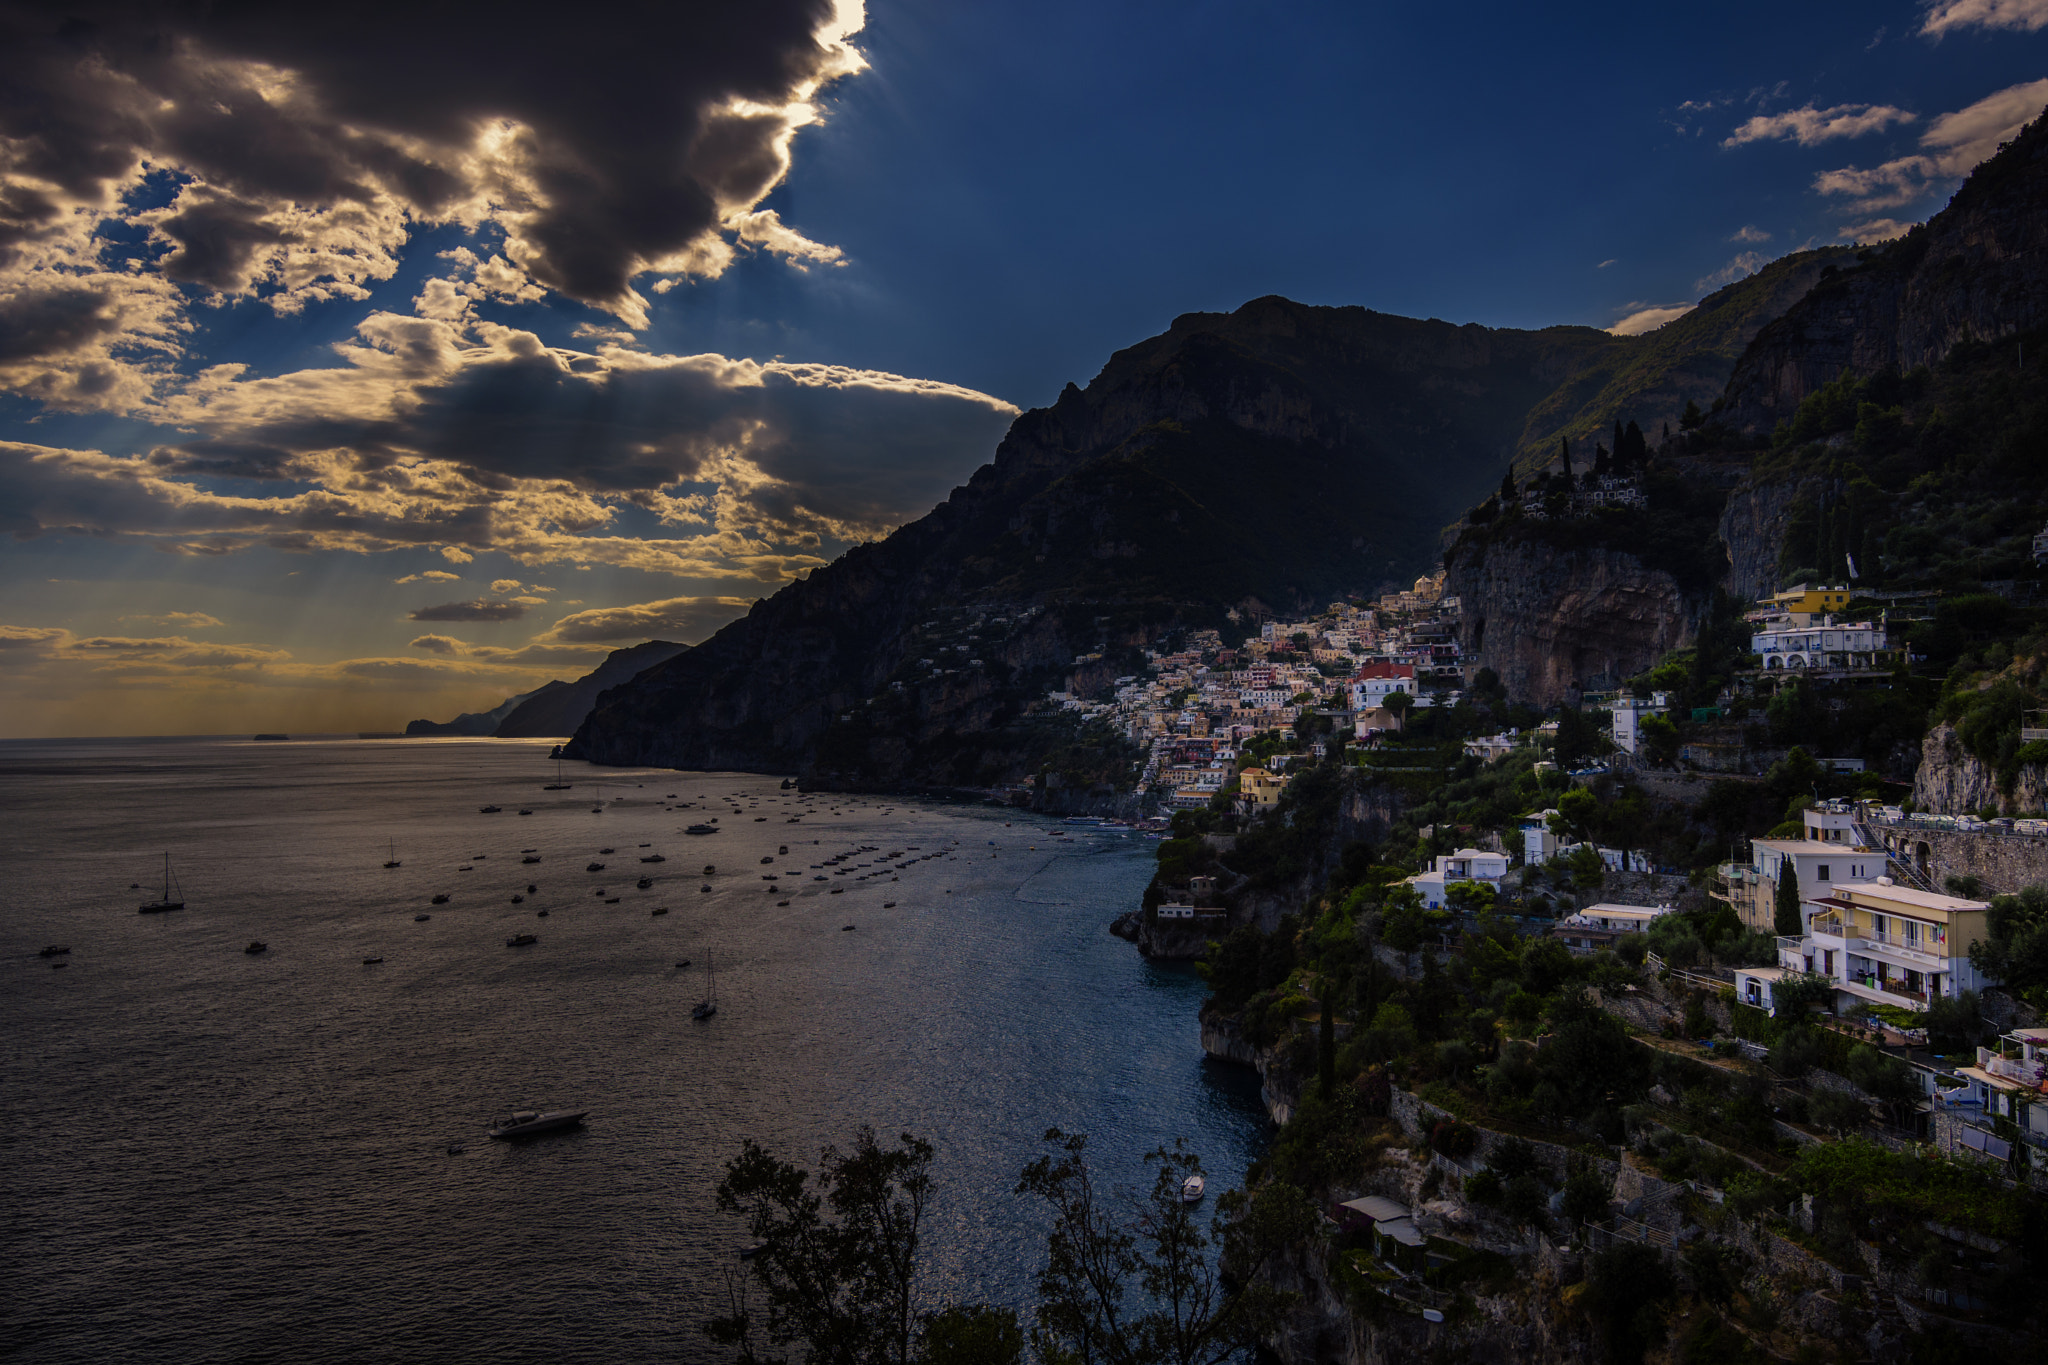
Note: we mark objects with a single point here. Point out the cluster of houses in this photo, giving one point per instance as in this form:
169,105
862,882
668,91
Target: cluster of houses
1196,707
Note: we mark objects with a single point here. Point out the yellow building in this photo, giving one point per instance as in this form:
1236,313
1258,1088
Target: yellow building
1808,599
1889,944
1260,790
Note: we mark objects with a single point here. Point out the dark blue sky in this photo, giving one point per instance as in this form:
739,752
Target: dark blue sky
351,374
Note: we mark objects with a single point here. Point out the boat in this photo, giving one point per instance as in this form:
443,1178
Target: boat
662,911
256,946
394,854
421,919
708,1006
846,928
524,811
522,940
441,899
372,961
644,883
656,858
1191,1190
526,1123
488,810
518,899
701,829
594,867
173,897
530,858
888,905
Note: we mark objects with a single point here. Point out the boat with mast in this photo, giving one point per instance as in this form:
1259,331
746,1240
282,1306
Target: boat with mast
394,854
173,897
558,785
708,1006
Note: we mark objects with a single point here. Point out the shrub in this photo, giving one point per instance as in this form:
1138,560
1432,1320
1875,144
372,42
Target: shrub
1454,1139
1483,1188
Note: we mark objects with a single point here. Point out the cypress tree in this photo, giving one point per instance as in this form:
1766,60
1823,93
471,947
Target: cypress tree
1507,485
1638,447
1785,918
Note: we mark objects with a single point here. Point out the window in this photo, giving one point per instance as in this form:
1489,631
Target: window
1822,871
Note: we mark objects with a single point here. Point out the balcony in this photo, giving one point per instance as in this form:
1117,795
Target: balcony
1897,949
1828,926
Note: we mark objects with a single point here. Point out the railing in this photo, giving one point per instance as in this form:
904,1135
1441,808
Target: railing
1629,1229
1830,927
1794,946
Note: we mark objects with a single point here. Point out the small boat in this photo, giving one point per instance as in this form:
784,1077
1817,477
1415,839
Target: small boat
752,1249
518,900
530,858
888,905
173,897
703,888
683,964
837,889
441,899
393,854
256,946
657,858
710,870
708,1006
455,1149
846,928
55,965
662,911
701,829
489,810
531,888
421,919
540,914
53,952
782,903
522,940
644,883
526,1123
595,867
558,785
372,961
604,850
524,811
1191,1189
611,900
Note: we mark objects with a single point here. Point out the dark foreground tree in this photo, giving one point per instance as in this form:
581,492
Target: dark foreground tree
837,1258
1127,1285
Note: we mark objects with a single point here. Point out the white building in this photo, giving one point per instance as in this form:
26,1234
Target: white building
1466,865
1785,645
1882,943
1597,926
1628,718
1539,843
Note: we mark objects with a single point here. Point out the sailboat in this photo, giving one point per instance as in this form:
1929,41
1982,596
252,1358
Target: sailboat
598,809
173,897
394,854
708,1006
558,785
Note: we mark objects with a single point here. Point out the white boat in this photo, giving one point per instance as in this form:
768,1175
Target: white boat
1191,1190
526,1123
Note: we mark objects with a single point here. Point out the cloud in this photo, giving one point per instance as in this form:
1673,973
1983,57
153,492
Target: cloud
479,610
691,617
1876,230
1749,233
504,586
436,644
1743,265
476,439
1604,264
31,637
1947,16
1951,147
1810,126
1648,318
157,156
431,576
190,620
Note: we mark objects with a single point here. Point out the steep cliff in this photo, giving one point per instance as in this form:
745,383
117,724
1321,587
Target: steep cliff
1953,781
559,708
1553,623
1753,526
1978,271
1281,452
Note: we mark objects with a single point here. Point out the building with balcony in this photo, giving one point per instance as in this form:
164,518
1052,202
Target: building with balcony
1787,645
1887,944
2001,1102
1598,926
1818,864
1466,865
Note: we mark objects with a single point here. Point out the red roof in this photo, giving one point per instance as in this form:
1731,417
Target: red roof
1384,670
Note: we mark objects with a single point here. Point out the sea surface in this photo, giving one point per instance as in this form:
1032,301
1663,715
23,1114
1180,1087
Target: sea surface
213,1155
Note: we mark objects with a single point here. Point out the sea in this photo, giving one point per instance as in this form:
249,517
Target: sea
212,1154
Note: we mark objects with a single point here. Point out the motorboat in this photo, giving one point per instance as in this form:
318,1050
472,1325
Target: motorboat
522,940
595,867
54,952
662,911
526,1123
489,810
656,858
256,946
524,811
1191,1189
441,899
372,961
644,883
701,829
421,919
530,858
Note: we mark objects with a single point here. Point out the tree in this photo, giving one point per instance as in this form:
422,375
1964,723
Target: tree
840,1284
1692,419
2015,952
974,1335
1184,1313
1659,739
1507,486
1398,704
1838,1111
1886,1079
1785,913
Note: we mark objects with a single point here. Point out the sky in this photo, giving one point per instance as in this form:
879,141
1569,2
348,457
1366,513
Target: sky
364,369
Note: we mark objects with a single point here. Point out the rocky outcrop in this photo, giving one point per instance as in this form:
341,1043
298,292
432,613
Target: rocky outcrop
1976,271
1753,528
1224,1037
1167,940
481,724
1553,623
1953,781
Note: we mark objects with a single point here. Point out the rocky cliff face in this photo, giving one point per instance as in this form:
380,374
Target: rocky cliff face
1953,781
1553,623
1976,271
558,709
1753,528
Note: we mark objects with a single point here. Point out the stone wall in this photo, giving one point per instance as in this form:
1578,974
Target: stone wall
2002,862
